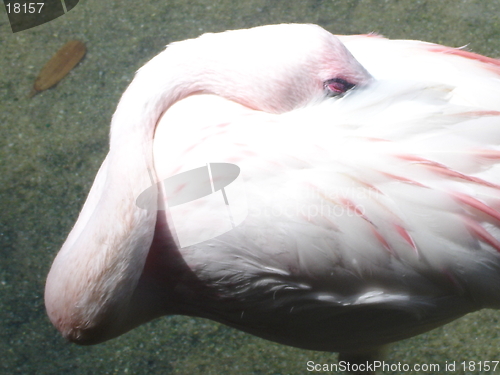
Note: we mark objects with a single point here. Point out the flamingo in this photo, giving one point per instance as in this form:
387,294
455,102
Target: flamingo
332,193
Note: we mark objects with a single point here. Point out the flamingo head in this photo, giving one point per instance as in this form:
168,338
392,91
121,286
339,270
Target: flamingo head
272,68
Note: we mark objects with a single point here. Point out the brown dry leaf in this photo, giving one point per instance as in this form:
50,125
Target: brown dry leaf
59,65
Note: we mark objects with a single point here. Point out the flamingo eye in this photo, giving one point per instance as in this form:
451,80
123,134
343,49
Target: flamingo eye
337,86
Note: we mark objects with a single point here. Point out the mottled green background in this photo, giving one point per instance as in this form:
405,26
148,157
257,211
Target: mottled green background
52,145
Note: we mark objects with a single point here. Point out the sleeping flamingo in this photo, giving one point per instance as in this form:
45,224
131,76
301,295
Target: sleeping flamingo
266,179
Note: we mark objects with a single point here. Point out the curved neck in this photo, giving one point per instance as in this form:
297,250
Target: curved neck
92,279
